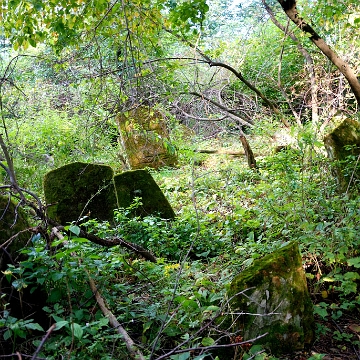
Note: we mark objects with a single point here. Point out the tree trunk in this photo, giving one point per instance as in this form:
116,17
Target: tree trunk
248,152
289,6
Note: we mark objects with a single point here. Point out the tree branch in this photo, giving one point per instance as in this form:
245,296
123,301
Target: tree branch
224,108
112,242
135,353
289,6
308,59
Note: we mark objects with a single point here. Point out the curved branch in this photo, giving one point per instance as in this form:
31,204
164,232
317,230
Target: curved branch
247,83
224,108
135,353
308,59
238,74
289,6
114,242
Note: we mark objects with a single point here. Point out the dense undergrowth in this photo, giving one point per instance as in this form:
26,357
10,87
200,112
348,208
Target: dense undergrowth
227,216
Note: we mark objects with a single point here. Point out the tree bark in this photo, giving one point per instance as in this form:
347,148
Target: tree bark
248,152
289,6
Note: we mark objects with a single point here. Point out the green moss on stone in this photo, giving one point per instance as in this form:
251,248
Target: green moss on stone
139,183
13,220
342,142
80,189
145,138
276,289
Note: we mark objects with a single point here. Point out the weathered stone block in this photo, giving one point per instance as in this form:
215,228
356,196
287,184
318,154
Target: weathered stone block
139,183
277,295
145,138
341,143
79,189
13,221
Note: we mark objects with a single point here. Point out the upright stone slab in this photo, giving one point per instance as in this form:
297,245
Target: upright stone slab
26,302
139,183
13,221
336,142
145,138
80,189
278,294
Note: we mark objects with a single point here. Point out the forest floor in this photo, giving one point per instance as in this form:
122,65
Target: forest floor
344,348
335,339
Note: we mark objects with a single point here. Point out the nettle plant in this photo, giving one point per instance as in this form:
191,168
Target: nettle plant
138,292
298,199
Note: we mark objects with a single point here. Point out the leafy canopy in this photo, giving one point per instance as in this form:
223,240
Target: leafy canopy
68,22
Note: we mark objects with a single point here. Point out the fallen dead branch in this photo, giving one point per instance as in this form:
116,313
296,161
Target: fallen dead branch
112,242
134,352
48,332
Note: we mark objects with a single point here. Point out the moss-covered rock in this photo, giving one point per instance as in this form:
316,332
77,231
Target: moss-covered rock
342,142
145,138
277,293
80,189
23,303
13,221
139,183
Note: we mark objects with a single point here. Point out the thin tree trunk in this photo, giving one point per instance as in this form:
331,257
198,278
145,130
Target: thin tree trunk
289,6
248,152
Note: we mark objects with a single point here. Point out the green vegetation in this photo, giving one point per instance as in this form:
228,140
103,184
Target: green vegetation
220,74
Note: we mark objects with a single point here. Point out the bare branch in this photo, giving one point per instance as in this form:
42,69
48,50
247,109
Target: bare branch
48,332
224,108
135,353
204,348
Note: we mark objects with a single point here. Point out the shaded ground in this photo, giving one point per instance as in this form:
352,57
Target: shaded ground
341,340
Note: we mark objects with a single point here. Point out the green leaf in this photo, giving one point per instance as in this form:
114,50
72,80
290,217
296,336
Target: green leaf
207,341
57,276
77,330
172,330
7,334
34,326
350,275
255,349
55,295
183,356
146,326
212,308
61,324
80,240
201,357
58,242
74,229
320,311
354,262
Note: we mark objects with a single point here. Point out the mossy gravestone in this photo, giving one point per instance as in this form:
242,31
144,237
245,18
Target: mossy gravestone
13,221
344,142
277,295
21,302
139,183
79,189
145,138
